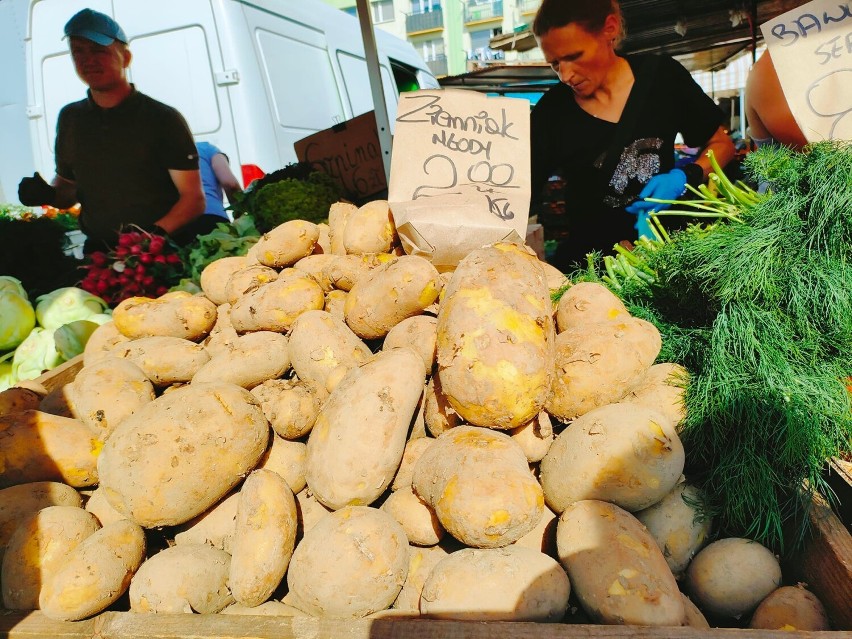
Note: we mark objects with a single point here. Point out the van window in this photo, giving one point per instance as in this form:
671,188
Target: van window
357,81
312,102
174,67
61,86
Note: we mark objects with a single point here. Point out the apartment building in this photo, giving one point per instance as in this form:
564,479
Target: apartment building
453,36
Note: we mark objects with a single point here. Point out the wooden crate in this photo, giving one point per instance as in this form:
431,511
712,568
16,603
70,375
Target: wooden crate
825,565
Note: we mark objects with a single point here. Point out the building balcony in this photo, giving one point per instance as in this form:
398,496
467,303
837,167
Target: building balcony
478,12
438,66
427,21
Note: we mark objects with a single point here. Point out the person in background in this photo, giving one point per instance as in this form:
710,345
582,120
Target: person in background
217,179
767,112
580,129
125,157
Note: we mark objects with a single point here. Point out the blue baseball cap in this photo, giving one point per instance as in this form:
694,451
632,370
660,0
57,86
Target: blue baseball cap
95,26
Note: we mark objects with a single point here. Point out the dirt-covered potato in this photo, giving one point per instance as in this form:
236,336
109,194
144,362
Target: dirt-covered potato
183,452
182,579
95,573
478,482
338,214
662,388
314,265
369,229
694,617
223,336
622,453
335,303
214,277
98,505
405,473
288,459
215,526
311,510
20,501
543,536
164,360
535,437
495,338
416,517
616,569
588,303
290,405
276,305
16,399
343,272
253,359
421,561
496,584
420,333
247,279
791,608
287,243
353,562
101,342
188,317
438,415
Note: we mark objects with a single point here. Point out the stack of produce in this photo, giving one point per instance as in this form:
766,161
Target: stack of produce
333,428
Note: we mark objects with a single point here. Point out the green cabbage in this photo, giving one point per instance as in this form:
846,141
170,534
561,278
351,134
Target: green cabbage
18,319
7,380
71,338
9,283
36,354
66,305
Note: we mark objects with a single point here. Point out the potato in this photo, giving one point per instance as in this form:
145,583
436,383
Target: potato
421,561
290,405
214,277
267,609
215,527
694,617
264,539
314,265
343,272
335,302
164,360
405,473
556,279
438,415
101,342
397,290
497,584
38,548
338,213
418,424
677,525
357,441
57,402
190,317
311,510
495,338
182,579
223,336
662,388
321,343
535,437
37,446
248,279
16,399
353,562
253,359
616,569
480,486
369,229
95,573
109,391
731,576
288,459
416,517
597,364
182,453
420,333
276,305
790,608
543,536
323,245
588,303
21,501
287,243
98,505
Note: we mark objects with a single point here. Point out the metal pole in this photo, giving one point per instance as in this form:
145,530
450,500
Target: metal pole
372,57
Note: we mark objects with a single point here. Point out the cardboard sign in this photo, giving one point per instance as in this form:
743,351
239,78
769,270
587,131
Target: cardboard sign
460,172
349,152
811,49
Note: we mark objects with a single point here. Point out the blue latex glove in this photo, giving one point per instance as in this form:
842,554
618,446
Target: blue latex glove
665,186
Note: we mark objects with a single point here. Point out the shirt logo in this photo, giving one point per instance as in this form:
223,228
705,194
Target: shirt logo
639,162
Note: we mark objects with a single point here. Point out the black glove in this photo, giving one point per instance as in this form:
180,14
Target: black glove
34,191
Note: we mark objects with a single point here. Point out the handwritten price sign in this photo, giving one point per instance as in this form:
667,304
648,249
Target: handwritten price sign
460,172
811,49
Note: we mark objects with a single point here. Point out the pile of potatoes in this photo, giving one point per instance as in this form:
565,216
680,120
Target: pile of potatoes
334,428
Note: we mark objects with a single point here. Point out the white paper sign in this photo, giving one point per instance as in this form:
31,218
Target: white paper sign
811,49
460,172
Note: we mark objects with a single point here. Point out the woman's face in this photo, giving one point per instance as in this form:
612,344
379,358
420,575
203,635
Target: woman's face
580,58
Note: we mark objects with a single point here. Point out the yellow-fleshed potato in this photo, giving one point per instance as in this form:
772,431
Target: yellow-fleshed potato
731,576
597,364
622,453
405,473
352,563
343,272
247,279
264,539
290,405
101,342
311,510
215,527
495,338
480,486
421,561
335,303
253,359
357,441
535,437
543,536
270,608
223,336
616,569
323,245
497,584
397,290
276,305
38,548
109,391
315,265
214,277
677,524
182,579
420,333
438,415
98,505
182,453
694,617
190,317
369,229
288,459
164,360
16,399
791,608
662,388
588,303
287,243
21,501
321,343
338,214
95,573
416,517
38,446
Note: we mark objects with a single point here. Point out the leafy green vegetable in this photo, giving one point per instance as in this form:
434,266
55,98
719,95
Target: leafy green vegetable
226,240
66,305
71,338
36,354
9,283
18,319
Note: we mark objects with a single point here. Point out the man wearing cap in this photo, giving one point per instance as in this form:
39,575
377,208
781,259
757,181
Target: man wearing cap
125,157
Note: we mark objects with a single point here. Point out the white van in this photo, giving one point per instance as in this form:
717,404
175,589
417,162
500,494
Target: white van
250,77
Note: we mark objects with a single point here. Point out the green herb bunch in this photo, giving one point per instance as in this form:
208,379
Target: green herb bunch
226,240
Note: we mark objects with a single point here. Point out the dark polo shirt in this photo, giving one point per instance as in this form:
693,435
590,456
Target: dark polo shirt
120,158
